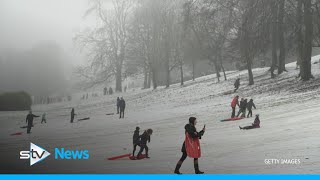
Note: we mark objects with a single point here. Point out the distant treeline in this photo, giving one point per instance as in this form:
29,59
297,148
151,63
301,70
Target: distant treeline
15,101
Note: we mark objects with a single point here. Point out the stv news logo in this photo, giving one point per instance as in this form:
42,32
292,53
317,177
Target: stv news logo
36,154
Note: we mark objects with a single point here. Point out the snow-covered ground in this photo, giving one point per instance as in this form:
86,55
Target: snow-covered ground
289,112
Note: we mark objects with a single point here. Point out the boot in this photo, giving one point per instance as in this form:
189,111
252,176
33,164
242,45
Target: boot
176,171
196,167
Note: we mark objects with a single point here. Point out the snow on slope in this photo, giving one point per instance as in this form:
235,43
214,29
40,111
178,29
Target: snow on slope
288,108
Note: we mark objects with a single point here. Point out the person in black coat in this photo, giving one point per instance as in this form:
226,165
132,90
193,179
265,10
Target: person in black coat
249,107
122,105
255,124
192,131
135,139
29,120
236,84
242,107
143,139
72,115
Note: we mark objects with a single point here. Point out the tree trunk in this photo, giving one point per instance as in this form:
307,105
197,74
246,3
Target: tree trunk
299,34
274,7
181,73
282,55
193,70
154,78
167,69
249,65
221,64
145,82
216,67
118,78
149,78
306,62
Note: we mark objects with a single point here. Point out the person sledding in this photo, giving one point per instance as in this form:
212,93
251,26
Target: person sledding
135,140
191,131
255,124
144,138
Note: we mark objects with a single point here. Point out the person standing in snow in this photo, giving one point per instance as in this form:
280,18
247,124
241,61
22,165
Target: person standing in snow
122,105
143,139
234,103
43,119
29,120
118,105
249,107
105,91
255,124
236,84
135,139
192,131
72,115
110,91
242,107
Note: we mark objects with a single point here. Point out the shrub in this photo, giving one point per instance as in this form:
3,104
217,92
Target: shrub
15,101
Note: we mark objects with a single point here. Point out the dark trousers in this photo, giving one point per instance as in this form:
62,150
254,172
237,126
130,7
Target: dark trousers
29,127
121,113
243,111
249,127
184,156
236,88
249,113
118,108
134,148
142,147
233,112
43,120
72,118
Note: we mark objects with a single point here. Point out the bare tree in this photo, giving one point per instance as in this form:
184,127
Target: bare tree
110,39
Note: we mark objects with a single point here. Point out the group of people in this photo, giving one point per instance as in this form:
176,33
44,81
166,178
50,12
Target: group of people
141,141
190,128
121,105
243,106
107,91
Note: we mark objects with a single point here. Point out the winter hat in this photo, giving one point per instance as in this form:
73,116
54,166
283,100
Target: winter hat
137,128
257,115
192,120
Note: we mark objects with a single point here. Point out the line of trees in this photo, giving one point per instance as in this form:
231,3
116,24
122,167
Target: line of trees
155,38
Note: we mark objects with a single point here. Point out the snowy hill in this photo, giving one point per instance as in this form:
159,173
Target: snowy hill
288,108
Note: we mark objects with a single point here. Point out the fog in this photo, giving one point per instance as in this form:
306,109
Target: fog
157,43
32,26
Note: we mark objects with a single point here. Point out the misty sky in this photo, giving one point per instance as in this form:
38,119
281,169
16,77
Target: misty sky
24,23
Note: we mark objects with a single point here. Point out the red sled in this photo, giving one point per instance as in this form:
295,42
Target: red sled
142,156
232,119
16,134
119,157
192,146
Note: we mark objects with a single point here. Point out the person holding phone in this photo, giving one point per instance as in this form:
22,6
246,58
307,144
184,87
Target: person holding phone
192,131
